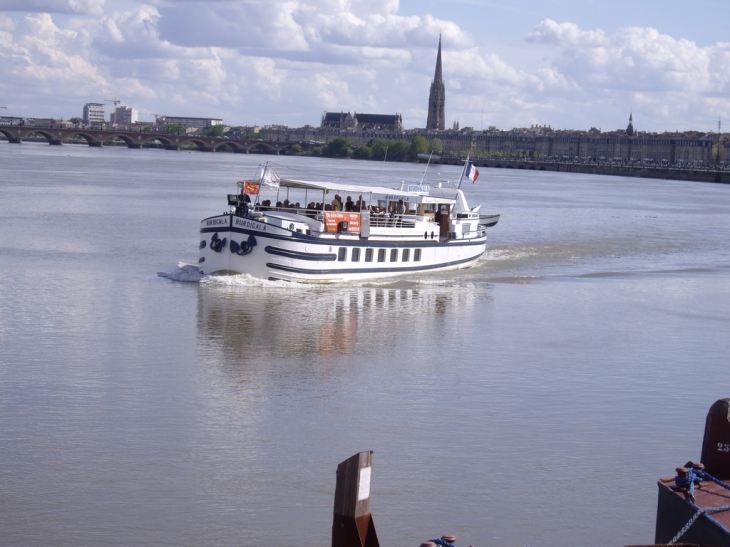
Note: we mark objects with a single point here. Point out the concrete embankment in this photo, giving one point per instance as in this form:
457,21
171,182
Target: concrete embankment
669,173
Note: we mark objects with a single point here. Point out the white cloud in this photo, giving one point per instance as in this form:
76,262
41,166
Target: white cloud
77,7
635,58
285,61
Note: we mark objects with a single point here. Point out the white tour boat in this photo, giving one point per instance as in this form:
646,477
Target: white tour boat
324,232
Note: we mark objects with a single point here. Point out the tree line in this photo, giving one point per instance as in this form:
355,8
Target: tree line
377,149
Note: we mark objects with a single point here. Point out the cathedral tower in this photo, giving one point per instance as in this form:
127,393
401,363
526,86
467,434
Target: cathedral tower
437,98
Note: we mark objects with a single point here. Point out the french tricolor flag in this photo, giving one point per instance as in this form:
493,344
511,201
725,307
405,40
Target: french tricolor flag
471,172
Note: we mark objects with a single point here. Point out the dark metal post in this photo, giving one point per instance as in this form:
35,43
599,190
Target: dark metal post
716,443
352,524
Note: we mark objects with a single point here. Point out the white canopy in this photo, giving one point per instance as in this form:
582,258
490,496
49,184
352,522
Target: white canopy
345,188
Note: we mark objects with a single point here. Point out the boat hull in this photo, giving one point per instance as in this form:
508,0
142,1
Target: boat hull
234,244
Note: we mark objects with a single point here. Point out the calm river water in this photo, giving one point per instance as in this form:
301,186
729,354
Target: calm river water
531,400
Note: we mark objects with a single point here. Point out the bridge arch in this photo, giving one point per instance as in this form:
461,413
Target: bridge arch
90,139
234,146
48,134
262,147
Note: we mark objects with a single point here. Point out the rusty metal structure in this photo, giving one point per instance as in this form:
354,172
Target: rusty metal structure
694,506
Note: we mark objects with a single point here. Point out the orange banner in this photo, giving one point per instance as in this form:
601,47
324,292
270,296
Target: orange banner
250,187
333,218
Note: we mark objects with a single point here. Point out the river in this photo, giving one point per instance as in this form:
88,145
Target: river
533,399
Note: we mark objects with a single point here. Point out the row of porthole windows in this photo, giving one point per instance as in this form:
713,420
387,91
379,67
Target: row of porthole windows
395,254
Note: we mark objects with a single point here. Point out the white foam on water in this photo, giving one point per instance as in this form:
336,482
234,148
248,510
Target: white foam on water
504,254
246,280
186,273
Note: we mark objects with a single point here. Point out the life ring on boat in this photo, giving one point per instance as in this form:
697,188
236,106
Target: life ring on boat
425,235
291,226
431,235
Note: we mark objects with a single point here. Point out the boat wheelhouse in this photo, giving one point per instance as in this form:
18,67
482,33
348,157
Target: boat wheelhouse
325,232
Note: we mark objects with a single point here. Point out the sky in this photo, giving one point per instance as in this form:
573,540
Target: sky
570,64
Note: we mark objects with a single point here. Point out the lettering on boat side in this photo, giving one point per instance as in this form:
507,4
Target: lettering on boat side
217,222
420,189
242,223
394,197
723,447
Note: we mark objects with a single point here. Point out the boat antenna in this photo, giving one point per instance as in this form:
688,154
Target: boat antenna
426,169
463,171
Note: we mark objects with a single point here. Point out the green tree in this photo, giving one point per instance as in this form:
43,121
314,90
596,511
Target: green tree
76,119
435,146
338,147
379,149
362,152
214,131
399,150
175,129
419,145
295,149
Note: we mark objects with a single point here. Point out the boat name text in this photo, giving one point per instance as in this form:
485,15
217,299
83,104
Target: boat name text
217,222
241,223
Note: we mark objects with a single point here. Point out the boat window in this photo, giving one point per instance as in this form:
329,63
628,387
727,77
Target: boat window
394,255
406,255
355,254
368,255
381,255
342,254
417,255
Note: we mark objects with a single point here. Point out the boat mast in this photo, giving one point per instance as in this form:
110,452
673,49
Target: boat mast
462,172
426,169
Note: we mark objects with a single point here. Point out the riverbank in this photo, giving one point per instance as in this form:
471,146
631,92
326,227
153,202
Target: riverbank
592,168
640,171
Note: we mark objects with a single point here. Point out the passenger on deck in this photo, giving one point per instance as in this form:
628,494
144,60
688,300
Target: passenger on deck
400,208
349,205
337,203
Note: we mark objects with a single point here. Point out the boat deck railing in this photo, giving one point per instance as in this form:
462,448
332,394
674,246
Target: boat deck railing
377,220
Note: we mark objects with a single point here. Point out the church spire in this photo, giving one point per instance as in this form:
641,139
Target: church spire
630,129
437,98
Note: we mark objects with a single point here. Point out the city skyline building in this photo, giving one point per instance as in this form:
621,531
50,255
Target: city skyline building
94,113
126,115
188,122
437,98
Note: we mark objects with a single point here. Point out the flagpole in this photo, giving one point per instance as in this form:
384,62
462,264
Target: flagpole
463,171
426,169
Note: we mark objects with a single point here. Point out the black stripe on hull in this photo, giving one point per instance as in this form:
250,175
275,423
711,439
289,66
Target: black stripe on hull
324,257
344,271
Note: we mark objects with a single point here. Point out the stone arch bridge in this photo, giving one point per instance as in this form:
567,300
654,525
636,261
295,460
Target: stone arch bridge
137,139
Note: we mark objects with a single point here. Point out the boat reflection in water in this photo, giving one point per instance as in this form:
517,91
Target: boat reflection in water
252,323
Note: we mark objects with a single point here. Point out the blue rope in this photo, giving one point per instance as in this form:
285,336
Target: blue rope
706,475
696,476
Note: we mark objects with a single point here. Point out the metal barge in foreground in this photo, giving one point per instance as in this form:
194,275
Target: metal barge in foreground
344,232
694,506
